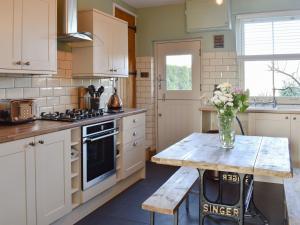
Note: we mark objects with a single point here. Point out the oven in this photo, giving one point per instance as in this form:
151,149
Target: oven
98,152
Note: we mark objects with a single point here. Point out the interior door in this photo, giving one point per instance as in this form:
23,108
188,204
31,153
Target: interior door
178,91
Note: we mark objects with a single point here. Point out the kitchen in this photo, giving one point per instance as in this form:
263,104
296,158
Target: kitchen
84,104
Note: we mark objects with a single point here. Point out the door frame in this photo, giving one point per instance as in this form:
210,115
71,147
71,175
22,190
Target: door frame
155,45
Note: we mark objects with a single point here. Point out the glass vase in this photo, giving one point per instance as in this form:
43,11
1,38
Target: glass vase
226,131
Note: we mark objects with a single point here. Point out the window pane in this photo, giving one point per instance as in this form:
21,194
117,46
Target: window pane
258,78
287,77
287,37
258,38
179,72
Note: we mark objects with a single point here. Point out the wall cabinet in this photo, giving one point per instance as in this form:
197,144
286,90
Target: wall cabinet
35,176
133,144
29,43
278,125
107,54
207,15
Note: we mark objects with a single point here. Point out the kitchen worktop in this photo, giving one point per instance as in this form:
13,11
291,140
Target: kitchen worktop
281,109
40,127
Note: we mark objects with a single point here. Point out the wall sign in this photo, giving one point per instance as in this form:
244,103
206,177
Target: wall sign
218,41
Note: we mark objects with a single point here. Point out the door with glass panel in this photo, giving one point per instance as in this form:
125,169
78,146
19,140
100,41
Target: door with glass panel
178,90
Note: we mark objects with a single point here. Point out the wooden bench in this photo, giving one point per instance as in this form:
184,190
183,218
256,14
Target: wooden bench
167,199
292,198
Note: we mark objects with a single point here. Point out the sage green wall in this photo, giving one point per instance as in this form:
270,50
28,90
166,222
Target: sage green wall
103,5
168,22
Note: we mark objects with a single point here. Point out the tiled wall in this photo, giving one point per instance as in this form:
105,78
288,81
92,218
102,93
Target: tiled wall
216,68
54,92
146,96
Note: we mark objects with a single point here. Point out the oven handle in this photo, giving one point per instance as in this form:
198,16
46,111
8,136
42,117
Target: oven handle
101,137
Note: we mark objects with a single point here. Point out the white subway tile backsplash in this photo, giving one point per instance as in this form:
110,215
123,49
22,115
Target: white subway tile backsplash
14,93
53,82
51,101
46,92
39,82
7,82
59,91
31,92
2,93
23,82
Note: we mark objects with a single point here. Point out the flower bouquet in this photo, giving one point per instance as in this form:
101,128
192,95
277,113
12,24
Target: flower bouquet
229,102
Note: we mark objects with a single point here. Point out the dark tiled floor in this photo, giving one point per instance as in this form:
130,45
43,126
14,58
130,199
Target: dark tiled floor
125,209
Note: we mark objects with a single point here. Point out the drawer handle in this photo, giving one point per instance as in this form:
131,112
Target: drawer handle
134,143
32,143
294,118
134,120
41,142
134,134
27,63
18,63
286,117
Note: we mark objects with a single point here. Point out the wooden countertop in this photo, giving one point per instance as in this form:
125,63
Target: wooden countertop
263,156
281,109
39,127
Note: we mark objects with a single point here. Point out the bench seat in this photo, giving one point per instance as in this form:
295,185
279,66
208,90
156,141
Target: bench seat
292,197
170,195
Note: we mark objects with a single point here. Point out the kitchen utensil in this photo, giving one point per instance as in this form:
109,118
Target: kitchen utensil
100,91
92,90
114,102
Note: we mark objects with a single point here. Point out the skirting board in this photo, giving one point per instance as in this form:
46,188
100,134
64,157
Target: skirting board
90,206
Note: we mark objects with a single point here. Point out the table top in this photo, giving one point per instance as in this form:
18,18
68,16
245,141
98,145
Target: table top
264,156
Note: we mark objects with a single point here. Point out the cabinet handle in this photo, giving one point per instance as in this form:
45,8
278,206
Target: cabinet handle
134,120
134,134
286,117
32,143
294,118
41,142
115,70
18,63
111,70
134,143
27,63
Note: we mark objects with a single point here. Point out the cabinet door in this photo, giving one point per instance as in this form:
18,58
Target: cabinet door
39,35
134,156
10,25
272,125
295,140
53,176
120,48
15,193
102,44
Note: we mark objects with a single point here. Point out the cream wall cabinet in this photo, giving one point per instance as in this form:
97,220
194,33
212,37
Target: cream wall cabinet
107,54
29,44
207,15
35,176
278,125
133,144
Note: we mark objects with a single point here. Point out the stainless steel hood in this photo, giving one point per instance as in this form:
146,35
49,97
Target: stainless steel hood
67,23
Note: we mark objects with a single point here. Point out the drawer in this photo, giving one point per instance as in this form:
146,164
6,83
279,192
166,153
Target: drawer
134,121
133,134
134,156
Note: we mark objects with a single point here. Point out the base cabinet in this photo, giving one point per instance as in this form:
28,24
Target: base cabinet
35,175
278,125
133,144
53,172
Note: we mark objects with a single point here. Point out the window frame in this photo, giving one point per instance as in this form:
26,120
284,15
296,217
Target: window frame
242,58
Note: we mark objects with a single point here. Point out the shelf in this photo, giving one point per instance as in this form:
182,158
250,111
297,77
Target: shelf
74,190
74,159
73,143
75,205
74,175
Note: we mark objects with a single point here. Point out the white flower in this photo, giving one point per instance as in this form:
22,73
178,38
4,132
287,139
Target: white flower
229,104
221,111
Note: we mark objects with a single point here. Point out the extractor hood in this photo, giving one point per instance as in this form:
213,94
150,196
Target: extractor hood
67,23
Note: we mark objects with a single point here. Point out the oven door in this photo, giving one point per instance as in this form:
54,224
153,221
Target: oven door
98,158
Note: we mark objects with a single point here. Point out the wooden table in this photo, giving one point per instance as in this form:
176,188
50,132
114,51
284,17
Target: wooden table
251,156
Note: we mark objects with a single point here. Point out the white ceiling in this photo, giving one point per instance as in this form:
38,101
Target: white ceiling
151,3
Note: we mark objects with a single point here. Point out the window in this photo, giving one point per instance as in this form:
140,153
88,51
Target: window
268,46
179,72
